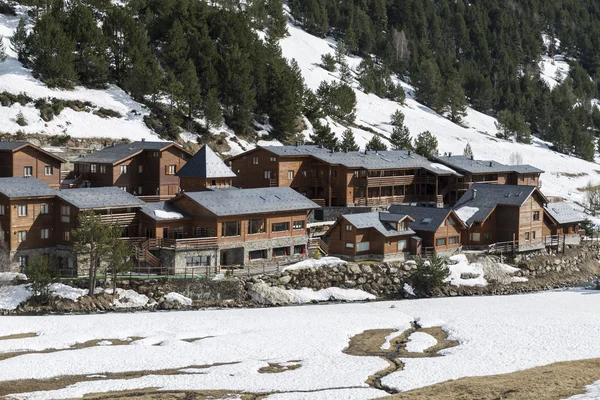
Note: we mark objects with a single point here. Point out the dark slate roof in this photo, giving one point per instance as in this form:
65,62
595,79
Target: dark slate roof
166,211
303,150
252,201
383,222
10,146
426,219
118,152
206,164
25,187
472,208
563,213
99,198
466,164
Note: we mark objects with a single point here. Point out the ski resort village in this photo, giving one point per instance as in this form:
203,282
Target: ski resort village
299,199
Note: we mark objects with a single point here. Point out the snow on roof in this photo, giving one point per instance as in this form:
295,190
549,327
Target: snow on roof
465,213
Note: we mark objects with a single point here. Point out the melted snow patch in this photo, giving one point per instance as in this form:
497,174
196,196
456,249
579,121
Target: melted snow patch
265,294
464,213
418,342
167,214
11,276
66,292
178,298
128,298
312,263
12,296
463,266
388,339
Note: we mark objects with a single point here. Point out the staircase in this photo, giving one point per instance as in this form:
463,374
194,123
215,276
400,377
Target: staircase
143,255
318,244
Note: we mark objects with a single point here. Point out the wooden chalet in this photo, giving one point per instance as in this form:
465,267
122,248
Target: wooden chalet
479,171
372,236
140,168
367,178
21,159
507,215
228,227
562,220
440,229
203,171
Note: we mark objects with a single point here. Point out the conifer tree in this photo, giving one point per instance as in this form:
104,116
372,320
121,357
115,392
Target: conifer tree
376,144
426,145
277,23
176,51
456,102
345,73
338,100
2,49
468,151
428,84
324,136
191,87
348,141
212,109
18,41
400,138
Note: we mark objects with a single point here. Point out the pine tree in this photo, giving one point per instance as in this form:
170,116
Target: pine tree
191,87
513,124
468,151
456,102
345,73
337,100
400,138
348,142
277,23
328,62
324,136
428,84
18,41
173,88
426,145
340,52
212,109
2,49
375,144
177,49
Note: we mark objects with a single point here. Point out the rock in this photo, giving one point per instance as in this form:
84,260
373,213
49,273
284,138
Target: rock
350,284
355,269
362,280
469,275
284,280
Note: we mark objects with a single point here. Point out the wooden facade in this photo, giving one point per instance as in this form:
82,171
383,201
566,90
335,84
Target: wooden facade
27,160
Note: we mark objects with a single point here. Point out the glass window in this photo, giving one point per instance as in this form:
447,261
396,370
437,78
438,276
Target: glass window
304,174
301,249
267,174
536,215
45,233
44,209
2,208
93,168
533,235
48,170
453,240
27,171
298,224
257,254
230,229
349,245
22,211
103,169
197,261
140,169
348,227
65,212
402,245
67,236
440,242
487,236
273,159
156,154
281,252
290,174
123,169
452,221
171,169
256,226
526,235
23,261
255,160
363,246
140,190
475,237
21,236
280,227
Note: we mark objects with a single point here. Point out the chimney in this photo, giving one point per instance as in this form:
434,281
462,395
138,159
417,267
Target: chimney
113,144
143,139
450,154
474,194
320,146
409,153
491,163
331,151
472,157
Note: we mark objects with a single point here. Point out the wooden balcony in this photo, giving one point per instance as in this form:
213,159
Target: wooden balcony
182,244
376,181
379,201
119,219
156,198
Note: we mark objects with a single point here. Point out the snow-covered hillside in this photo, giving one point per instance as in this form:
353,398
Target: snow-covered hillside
563,175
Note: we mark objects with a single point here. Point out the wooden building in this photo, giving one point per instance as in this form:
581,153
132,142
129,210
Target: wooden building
480,171
367,178
506,214
20,159
228,227
140,168
204,170
372,236
561,219
440,229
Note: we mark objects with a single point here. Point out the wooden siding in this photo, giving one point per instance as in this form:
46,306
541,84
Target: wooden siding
189,184
12,164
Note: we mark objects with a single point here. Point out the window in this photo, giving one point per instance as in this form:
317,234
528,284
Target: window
103,169
155,154
300,249
140,190
65,212
256,226
67,236
298,225
23,261
267,174
452,221
280,227
273,159
304,174
290,174
363,246
27,171
123,169
440,242
140,169
536,215
48,170
45,233
349,245
123,188
257,255
197,261
2,208
402,245
526,235
487,236
348,227
475,237
230,229
22,210
281,252
21,236
93,168
255,160
171,169
44,209
356,174
453,240
533,235
204,232
402,225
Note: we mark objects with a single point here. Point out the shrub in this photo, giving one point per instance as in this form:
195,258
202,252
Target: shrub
328,62
316,254
430,275
107,113
60,140
21,119
40,276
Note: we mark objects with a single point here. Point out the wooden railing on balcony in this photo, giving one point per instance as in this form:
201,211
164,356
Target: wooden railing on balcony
179,244
398,180
120,219
156,199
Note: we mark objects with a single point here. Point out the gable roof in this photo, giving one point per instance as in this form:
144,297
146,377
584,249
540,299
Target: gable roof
251,201
99,198
563,213
427,219
163,211
303,150
472,166
25,187
119,152
14,146
481,199
206,164
382,222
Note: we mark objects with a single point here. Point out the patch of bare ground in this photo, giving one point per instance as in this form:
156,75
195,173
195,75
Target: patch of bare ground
572,175
368,344
278,368
18,336
61,382
550,382
77,346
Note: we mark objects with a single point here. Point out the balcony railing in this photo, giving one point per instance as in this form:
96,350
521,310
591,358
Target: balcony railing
180,244
397,180
119,219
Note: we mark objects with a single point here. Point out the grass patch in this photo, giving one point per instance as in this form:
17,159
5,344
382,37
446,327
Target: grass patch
18,336
277,368
572,175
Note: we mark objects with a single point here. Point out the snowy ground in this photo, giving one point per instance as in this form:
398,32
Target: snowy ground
496,335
